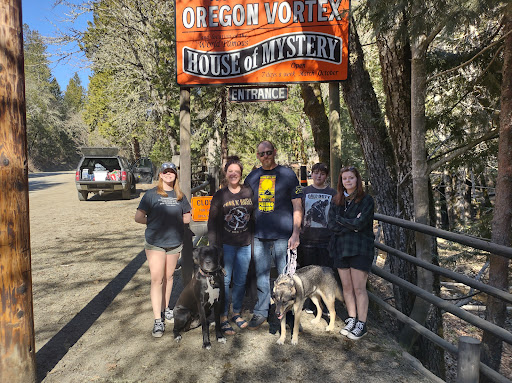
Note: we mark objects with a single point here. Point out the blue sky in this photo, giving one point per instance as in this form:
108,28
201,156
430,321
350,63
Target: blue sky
40,15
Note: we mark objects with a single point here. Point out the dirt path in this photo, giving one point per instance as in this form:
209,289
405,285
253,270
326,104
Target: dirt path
93,315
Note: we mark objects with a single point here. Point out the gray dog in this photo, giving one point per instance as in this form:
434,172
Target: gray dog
314,282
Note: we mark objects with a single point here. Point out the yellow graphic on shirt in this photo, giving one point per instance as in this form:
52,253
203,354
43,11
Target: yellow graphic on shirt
267,194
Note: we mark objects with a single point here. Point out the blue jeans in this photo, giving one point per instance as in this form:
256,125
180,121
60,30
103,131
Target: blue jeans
236,264
264,252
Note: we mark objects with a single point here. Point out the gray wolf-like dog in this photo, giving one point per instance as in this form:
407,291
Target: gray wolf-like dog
314,282
204,292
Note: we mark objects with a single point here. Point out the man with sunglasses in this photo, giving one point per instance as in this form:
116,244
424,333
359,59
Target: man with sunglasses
278,215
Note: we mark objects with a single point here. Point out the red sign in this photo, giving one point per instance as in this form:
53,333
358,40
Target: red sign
261,41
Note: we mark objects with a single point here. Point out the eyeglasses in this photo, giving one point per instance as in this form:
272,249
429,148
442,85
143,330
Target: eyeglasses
268,153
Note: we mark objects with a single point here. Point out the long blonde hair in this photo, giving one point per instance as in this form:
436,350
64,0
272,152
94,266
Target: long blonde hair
176,186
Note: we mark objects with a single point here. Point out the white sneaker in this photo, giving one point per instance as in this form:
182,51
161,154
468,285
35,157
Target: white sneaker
350,323
158,328
169,315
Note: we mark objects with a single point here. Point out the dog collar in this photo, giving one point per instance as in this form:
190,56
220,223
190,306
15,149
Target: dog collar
212,273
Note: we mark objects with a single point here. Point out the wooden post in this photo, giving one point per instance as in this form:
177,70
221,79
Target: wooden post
185,161
185,178
334,132
17,346
468,360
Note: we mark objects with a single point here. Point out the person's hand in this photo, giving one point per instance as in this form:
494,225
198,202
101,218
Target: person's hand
294,241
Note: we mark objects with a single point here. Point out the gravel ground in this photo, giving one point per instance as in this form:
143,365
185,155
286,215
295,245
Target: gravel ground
93,315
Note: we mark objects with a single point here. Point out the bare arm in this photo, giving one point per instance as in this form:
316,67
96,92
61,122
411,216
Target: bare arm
187,217
294,240
141,217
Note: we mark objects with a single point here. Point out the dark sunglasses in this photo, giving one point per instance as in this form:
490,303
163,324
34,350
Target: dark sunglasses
268,153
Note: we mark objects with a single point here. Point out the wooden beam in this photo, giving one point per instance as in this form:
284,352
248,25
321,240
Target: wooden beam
17,345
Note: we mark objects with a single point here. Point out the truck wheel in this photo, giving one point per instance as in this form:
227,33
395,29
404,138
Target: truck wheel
82,195
126,194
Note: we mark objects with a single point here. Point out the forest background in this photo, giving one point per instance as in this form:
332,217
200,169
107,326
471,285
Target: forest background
422,114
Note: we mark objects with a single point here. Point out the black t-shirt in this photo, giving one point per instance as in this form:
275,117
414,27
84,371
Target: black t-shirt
165,225
230,221
316,204
273,193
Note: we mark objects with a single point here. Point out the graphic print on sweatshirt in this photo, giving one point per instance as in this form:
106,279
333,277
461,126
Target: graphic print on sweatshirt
316,209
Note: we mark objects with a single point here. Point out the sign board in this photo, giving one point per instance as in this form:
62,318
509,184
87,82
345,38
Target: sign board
200,208
261,41
256,93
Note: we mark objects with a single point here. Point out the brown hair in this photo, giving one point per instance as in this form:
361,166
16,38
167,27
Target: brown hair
339,198
176,186
232,160
321,167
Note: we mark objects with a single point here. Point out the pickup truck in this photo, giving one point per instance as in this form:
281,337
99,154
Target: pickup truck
102,170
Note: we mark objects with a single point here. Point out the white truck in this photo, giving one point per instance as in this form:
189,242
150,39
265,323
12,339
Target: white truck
102,170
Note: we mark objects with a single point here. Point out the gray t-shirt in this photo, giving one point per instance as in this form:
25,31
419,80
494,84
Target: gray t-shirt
165,225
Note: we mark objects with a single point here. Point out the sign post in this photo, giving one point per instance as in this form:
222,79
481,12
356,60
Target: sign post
17,344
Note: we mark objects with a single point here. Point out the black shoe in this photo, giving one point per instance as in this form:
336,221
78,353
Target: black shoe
358,332
256,321
158,328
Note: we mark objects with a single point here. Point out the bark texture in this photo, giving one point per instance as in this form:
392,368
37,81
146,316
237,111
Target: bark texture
368,122
314,108
498,270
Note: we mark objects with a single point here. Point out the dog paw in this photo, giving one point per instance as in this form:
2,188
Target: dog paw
280,341
295,341
329,328
221,340
177,338
207,346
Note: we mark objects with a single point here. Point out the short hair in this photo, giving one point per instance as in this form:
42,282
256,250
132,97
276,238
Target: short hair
267,143
321,167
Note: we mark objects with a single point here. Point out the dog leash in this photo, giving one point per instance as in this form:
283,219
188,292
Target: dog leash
291,262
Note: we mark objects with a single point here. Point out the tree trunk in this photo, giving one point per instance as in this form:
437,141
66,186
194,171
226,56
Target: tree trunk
498,270
443,204
136,148
224,127
314,108
334,132
395,63
420,180
370,128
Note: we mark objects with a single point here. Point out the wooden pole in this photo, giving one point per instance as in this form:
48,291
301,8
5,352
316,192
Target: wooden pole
468,360
185,159
334,132
17,345
187,263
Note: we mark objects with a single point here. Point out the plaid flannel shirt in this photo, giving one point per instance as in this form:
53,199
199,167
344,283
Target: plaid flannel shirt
352,235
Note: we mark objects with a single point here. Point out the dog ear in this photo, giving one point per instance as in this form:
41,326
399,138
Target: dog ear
195,255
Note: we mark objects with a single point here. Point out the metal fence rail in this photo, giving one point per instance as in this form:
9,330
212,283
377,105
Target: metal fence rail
476,243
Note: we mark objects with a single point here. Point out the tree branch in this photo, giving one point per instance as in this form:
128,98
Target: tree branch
470,60
440,160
